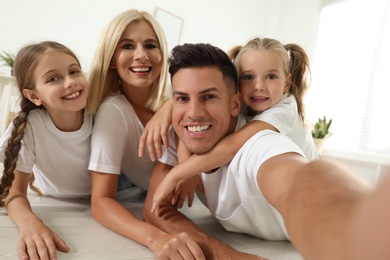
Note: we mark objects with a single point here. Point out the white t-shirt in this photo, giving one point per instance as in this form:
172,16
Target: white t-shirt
232,194
284,117
59,160
115,139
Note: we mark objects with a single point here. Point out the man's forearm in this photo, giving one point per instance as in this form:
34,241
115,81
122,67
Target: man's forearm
170,219
173,221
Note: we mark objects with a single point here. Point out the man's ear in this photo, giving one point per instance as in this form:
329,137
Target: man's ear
30,95
236,104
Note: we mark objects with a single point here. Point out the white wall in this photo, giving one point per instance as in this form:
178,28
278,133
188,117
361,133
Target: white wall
224,23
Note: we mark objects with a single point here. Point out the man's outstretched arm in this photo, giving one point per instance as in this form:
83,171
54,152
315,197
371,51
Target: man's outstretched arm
317,200
173,221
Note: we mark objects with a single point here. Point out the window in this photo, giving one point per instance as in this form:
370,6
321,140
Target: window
351,75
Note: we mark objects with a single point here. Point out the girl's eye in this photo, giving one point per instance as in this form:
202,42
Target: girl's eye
247,77
52,79
74,72
272,76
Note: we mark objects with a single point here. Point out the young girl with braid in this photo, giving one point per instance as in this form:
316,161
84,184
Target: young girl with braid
272,81
48,140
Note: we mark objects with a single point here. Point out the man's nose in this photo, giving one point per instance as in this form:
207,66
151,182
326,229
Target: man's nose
196,110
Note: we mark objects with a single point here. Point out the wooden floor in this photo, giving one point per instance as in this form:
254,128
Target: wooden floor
87,239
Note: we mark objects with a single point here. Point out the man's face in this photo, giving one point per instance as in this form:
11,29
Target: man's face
202,107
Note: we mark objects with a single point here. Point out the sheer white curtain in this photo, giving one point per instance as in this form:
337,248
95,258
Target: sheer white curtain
351,75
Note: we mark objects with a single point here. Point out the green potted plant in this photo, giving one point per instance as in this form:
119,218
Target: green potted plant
321,131
8,59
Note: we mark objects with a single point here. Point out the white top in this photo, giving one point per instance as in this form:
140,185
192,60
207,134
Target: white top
115,139
284,117
59,160
231,192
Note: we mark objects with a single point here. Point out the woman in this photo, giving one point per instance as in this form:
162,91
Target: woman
128,83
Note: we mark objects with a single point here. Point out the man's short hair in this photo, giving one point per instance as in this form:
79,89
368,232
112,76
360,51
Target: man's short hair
201,55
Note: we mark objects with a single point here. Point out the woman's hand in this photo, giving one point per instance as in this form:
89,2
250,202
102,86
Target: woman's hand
177,246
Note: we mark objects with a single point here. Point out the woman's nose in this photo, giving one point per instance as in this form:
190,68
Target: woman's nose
140,54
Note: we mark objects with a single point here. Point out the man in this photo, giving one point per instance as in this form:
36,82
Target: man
269,189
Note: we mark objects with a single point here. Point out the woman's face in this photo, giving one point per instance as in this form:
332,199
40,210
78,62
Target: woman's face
137,57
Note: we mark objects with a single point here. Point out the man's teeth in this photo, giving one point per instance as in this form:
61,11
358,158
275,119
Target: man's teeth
73,95
140,69
197,129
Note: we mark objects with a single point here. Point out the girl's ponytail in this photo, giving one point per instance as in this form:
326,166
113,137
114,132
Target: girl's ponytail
300,72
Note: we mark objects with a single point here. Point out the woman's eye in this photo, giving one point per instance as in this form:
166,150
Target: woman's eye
75,71
127,46
181,99
150,46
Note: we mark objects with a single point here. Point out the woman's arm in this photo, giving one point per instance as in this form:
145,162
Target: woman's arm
36,240
221,154
113,215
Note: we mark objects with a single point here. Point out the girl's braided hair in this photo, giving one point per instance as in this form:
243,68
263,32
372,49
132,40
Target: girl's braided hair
25,64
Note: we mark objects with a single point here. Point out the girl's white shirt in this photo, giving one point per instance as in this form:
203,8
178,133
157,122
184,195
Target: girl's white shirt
284,117
115,138
59,160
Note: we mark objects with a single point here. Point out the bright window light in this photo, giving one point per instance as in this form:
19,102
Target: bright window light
351,75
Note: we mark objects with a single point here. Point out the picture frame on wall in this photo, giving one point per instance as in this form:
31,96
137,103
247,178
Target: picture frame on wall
172,26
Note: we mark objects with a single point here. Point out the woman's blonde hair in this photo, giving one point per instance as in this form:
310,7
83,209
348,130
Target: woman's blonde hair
104,81
295,62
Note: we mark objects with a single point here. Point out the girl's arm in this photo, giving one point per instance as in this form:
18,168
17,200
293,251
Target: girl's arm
36,240
221,154
113,215
156,131
185,187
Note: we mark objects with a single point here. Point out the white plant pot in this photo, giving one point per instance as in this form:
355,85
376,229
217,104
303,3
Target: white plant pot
319,142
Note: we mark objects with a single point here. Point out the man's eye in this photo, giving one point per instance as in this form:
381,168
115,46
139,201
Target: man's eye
210,96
